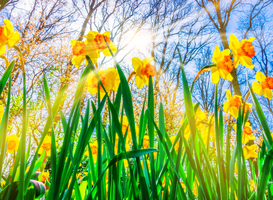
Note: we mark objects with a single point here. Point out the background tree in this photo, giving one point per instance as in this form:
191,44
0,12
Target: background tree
220,14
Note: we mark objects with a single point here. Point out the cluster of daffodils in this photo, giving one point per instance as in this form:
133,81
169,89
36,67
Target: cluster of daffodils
242,52
232,106
94,44
204,124
233,103
8,38
249,149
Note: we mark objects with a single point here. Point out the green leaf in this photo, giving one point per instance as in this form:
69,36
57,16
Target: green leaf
5,76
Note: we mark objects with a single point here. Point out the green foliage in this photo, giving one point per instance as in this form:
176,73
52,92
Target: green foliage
182,169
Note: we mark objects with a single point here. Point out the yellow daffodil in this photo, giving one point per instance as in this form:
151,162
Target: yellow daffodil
195,189
46,145
253,185
264,86
232,104
13,143
94,149
44,177
224,65
250,151
247,133
248,107
1,112
109,78
98,41
8,36
242,51
143,70
125,125
3,183
80,50
146,141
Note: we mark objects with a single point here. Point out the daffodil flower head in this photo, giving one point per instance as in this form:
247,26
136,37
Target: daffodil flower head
247,133
44,176
264,85
98,41
250,151
242,51
13,143
109,78
146,141
232,104
3,183
8,36
224,65
80,49
94,150
46,145
143,70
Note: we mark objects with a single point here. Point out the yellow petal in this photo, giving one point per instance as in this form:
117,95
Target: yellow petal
215,75
91,51
229,77
234,112
113,48
216,54
107,33
260,76
225,75
147,60
9,26
257,88
136,63
2,49
226,52
146,80
228,94
13,39
77,61
91,35
139,82
251,39
226,106
236,60
73,42
234,43
267,93
246,61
